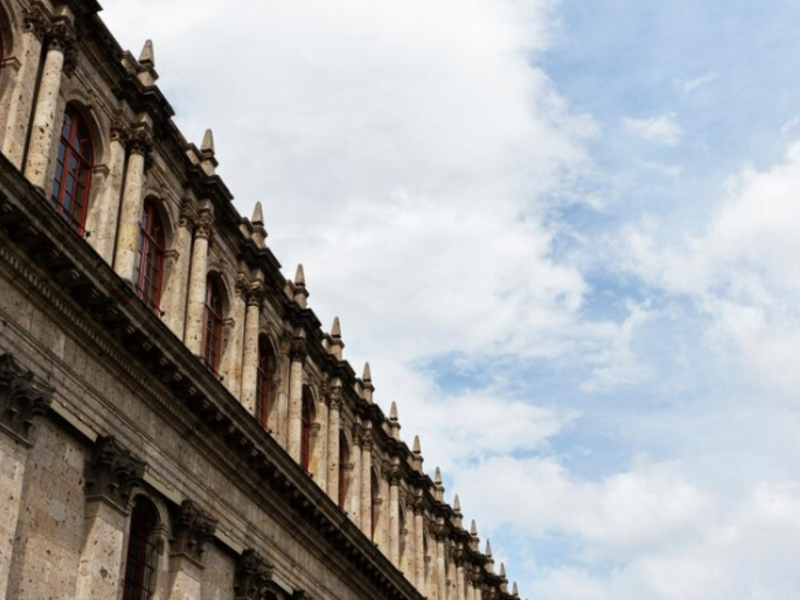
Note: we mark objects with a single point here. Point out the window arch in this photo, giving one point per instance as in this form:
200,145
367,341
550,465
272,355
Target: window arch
344,461
265,368
141,557
212,325
305,431
70,193
149,271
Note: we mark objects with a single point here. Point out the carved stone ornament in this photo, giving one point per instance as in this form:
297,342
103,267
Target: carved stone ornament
336,397
21,397
255,294
204,226
37,20
140,142
120,132
113,472
188,213
254,577
193,529
61,36
299,349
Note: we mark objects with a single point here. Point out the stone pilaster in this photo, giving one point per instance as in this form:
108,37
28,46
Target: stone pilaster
231,367
174,301
111,475
193,337
298,353
419,547
21,399
461,588
441,568
249,360
37,23
366,482
103,214
382,513
334,449
319,459
193,530
253,577
394,517
60,41
355,484
130,220
409,535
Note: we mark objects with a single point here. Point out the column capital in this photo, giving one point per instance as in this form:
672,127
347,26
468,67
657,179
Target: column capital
204,227
253,576
358,434
61,36
113,472
299,350
21,397
336,397
120,130
193,529
241,286
394,476
188,213
255,294
36,20
140,141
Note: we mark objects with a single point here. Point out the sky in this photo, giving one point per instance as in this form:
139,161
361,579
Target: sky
564,233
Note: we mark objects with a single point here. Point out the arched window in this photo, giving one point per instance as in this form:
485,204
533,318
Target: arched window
141,556
305,434
70,193
264,381
212,325
150,258
344,460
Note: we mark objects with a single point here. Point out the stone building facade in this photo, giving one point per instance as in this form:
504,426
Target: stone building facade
174,422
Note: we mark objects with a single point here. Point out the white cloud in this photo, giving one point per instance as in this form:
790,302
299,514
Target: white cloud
686,86
741,269
664,129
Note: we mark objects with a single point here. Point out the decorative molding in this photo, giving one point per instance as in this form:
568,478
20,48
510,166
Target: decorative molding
113,472
188,213
61,36
299,349
203,228
21,398
37,20
254,577
255,294
193,529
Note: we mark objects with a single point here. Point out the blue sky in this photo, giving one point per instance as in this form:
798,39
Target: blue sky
565,236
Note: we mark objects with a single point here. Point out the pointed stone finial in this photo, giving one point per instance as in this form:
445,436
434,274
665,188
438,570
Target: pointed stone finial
259,235
488,551
457,516
456,504
367,376
437,478
147,55
502,570
367,388
335,343
515,590
473,529
416,459
300,292
503,579
258,215
208,142
393,412
417,445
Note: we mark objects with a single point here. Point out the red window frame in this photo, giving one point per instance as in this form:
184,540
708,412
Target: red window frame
305,435
150,258
69,195
139,564
263,383
212,326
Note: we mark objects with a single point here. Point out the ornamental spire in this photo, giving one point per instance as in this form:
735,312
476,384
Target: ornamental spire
367,389
147,56
335,343
208,142
259,234
208,161
300,292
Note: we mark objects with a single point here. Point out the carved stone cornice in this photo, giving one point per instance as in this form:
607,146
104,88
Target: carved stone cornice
113,472
299,349
193,529
21,398
253,577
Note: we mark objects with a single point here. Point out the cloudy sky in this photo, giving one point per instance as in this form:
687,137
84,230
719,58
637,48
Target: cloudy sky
566,235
